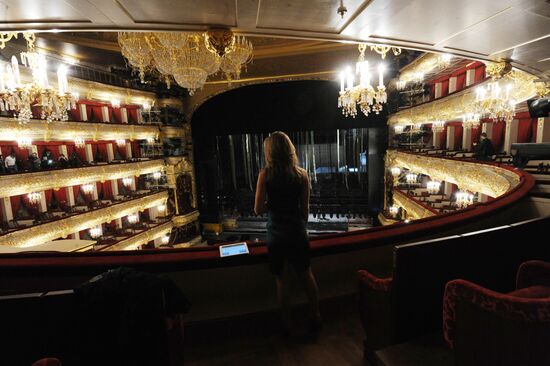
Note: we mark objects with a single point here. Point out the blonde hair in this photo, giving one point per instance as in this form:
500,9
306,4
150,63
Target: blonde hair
280,157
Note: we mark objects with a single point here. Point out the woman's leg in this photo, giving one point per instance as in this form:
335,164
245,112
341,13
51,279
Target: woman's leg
310,284
283,297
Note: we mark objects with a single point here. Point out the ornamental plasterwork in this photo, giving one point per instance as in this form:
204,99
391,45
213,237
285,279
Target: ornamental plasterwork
473,177
133,242
455,106
414,210
39,234
40,130
16,184
182,220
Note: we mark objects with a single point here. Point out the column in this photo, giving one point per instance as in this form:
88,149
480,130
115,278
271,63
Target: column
133,185
76,236
63,150
436,132
95,195
43,205
450,138
452,84
124,115
543,129
447,189
470,76
466,137
70,196
128,149
511,134
89,153
487,127
114,187
110,153
437,92
118,223
6,209
153,213
105,114
83,113
34,149
139,116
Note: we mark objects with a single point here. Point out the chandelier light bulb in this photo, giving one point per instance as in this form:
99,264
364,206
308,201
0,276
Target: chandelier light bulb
433,187
165,239
132,219
157,175
121,142
24,142
395,171
127,181
411,178
34,197
161,208
87,188
115,103
96,232
79,142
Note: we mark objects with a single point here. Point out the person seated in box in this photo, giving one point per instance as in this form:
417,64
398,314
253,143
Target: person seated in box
483,150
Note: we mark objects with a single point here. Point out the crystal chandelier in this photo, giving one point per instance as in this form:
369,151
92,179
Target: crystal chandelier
491,100
87,188
24,142
96,232
34,198
79,142
127,182
399,129
19,97
471,120
188,58
121,142
161,208
132,219
433,187
157,175
362,94
393,211
165,239
411,178
464,199
395,172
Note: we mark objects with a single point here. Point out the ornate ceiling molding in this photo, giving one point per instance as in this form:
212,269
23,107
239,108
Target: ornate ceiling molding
40,130
473,177
16,184
43,233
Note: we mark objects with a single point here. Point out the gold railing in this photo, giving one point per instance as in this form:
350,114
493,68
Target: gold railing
41,130
134,242
15,184
414,210
488,179
61,228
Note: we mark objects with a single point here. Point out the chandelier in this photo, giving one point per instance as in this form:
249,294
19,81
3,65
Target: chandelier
433,187
121,142
96,232
395,172
165,239
19,97
87,188
157,175
79,142
127,182
161,208
393,211
411,178
34,198
362,94
188,58
132,219
399,129
24,142
464,199
438,126
491,100
471,120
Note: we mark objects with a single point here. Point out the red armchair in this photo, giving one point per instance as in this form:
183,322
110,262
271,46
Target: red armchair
485,327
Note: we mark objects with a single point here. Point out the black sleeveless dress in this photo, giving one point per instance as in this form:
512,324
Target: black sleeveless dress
287,238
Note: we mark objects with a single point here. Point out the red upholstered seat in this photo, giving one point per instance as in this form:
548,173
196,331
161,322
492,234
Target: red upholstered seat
47,362
485,327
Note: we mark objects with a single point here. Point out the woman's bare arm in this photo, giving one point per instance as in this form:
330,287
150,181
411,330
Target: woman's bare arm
259,203
305,195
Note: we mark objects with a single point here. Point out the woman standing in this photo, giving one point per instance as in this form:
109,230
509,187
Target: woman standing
283,191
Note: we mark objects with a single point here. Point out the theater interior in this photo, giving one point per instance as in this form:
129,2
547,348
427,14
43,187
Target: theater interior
132,137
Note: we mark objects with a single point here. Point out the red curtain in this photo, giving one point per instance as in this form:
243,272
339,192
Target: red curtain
97,113
524,130
36,111
445,87
81,152
460,81
121,150
136,150
27,204
101,148
15,204
475,134
432,90
458,136
99,188
132,113
534,128
61,196
76,192
52,146
110,117
89,113
48,193
498,134
117,115
443,138
480,74
107,190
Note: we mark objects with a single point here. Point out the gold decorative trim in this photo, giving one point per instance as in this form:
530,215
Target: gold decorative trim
414,210
40,130
182,220
473,177
455,106
16,184
39,234
172,131
133,243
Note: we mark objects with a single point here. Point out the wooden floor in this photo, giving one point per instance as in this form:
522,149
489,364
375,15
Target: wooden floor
256,340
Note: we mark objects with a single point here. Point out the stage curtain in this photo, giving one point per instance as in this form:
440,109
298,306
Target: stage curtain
524,130
445,87
117,115
498,135
15,204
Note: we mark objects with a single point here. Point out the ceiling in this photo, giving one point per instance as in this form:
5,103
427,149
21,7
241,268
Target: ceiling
516,30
